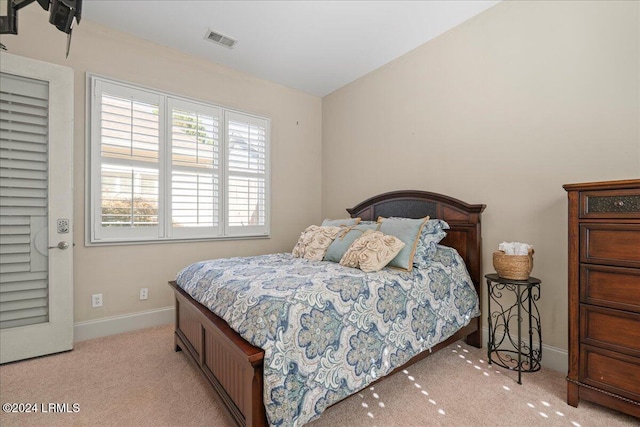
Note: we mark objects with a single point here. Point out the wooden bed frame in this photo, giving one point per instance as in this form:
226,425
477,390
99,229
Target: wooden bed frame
234,367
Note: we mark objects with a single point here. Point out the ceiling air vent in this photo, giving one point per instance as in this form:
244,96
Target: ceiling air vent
221,39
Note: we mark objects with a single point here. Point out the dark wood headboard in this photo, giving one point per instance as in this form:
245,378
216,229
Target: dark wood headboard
464,219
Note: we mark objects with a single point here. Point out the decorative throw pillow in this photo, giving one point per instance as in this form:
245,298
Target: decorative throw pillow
346,222
344,239
432,233
314,241
372,251
408,231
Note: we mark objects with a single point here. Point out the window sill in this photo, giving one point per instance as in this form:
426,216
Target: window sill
114,242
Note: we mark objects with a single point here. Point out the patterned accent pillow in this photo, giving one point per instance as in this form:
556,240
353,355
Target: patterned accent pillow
432,233
346,222
345,238
372,251
408,231
314,241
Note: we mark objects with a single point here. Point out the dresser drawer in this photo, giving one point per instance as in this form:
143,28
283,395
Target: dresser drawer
614,329
610,204
610,371
610,244
615,287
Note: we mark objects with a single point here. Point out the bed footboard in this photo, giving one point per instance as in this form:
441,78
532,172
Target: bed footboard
228,362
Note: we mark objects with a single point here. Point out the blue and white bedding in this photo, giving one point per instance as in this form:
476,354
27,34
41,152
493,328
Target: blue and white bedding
327,330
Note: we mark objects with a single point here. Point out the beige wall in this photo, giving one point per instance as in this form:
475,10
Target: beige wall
118,272
501,110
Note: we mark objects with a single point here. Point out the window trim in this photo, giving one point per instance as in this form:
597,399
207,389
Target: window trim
165,232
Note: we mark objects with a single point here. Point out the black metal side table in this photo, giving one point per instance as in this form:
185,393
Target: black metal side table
513,297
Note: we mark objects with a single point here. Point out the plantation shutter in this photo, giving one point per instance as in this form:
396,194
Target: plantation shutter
164,167
195,169
24,124
247,159
128,128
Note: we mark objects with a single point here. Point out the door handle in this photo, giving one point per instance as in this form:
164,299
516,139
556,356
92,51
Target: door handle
62,245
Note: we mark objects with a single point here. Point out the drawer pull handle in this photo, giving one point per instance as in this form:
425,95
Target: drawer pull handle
618,203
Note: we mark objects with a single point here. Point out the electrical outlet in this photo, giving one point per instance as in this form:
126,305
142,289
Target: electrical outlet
96,300
144,294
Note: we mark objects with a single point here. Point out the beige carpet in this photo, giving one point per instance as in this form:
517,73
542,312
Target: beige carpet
136,379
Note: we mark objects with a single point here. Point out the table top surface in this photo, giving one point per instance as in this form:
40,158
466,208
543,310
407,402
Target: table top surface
530,281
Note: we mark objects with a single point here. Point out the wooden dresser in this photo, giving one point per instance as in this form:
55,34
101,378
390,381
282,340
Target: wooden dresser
604,294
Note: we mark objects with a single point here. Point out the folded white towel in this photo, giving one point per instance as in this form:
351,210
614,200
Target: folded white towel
515,248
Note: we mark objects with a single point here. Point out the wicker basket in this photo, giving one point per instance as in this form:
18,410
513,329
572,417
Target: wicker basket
514,267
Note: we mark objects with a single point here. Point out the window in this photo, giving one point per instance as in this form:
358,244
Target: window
169,168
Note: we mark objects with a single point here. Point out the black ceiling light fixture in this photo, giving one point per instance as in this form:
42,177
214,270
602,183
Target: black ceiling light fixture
61,14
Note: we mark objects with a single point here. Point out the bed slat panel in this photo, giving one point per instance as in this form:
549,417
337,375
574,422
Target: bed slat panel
190,327
226,369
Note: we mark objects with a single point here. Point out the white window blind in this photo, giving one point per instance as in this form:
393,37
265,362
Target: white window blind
247,168
128,148
23,200
165,167
195,169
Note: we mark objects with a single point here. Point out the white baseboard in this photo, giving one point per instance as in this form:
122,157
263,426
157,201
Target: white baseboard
555,358
552,357
118,324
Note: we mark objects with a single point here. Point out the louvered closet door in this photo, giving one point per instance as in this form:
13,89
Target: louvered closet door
36,248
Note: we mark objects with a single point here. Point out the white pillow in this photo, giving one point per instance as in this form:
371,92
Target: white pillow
372,251
314,241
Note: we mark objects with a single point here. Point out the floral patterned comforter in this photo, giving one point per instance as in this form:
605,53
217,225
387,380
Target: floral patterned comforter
327,330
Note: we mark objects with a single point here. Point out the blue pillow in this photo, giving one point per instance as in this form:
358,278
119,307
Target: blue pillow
408,231
344,239
348,222
432,233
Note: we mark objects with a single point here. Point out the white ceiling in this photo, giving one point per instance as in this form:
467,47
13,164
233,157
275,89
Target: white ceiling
314,46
